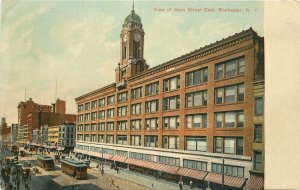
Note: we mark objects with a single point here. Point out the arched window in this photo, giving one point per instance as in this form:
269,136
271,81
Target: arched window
136,49
124,50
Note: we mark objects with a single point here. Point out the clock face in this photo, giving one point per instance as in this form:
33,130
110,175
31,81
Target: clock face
137,37
125,38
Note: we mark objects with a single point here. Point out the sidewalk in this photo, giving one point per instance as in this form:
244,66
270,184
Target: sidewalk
145,180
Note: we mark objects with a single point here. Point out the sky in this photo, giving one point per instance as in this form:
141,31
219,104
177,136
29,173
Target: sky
76,43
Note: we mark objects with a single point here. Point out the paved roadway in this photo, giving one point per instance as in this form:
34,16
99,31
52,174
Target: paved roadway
56,180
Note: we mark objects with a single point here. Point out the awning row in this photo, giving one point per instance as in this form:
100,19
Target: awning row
228,180
196,174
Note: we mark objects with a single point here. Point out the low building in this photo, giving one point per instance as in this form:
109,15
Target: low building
67,136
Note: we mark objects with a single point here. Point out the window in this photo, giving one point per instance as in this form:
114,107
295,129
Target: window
196,121
229,145
101,126
152,89
122,97
122,125
87,127
80,108
172,84
197,77
94,104
93,138
86,137
101,138
151,140
196,99
136,109
87,117
228,170
87,106
109,139
171,103
93,127
136,93
258,161
110,100
171,122
259,106
102,102
136,124
110,126
122,111
94,116
101,114
151,123
171,142
152,106
135,140
230,119
80,128
230,68
122,139
196,143
258,133
196,165
229,94
169,160
110,113
80,118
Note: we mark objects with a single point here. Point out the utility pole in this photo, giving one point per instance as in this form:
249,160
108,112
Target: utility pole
223,174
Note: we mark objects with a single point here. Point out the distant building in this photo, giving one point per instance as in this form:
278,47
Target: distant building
14,133
5,132
32,116
36,137
67,136
53,135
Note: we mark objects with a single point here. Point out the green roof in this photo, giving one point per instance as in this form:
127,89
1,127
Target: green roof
75,163
44,157
132,17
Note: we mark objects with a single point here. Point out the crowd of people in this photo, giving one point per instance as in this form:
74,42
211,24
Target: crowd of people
13,174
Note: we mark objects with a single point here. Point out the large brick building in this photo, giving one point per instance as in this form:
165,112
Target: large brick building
180,119
32,116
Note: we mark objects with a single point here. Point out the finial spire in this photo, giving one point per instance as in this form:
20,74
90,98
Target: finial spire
133,5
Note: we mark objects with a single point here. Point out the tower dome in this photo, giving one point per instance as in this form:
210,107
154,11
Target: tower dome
132,17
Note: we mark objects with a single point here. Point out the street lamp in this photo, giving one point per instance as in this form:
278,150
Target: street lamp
102,169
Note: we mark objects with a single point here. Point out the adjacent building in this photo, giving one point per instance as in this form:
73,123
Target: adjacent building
53,135
67,136
5,132
182,118
32,116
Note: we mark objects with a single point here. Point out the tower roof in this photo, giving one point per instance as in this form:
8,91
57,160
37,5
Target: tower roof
132,17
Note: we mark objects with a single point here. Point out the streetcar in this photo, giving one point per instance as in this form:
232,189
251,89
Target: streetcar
75,168
45,162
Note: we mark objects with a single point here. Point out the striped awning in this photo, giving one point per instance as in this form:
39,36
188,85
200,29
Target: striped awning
153,165
228,180
119,158
166,168
256,182
107,156
196,174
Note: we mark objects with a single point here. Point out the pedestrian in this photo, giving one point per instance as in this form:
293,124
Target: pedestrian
112,182
18,183
191,184
180,185
102,172
117,169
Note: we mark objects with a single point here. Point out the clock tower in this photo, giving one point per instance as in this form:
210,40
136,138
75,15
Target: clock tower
132,60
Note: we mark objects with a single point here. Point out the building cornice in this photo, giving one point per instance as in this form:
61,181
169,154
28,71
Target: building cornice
201,52
113,85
